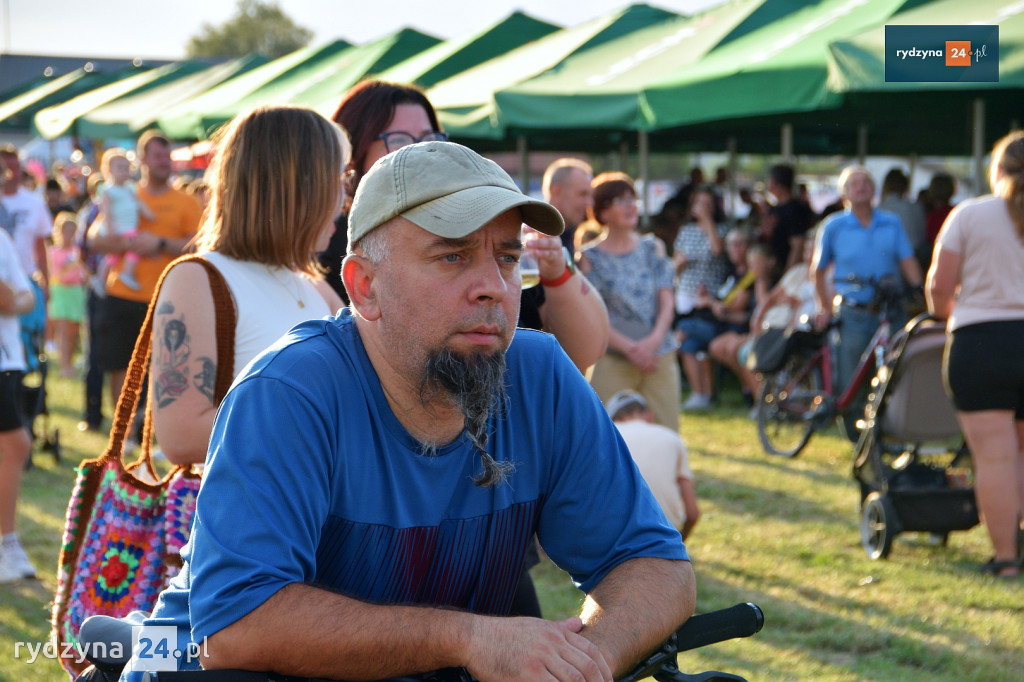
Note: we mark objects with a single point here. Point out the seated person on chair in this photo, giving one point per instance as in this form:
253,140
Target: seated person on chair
373,479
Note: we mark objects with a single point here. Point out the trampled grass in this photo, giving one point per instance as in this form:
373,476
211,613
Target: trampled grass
779,533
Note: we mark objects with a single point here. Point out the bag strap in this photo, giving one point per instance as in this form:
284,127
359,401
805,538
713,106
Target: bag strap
127,402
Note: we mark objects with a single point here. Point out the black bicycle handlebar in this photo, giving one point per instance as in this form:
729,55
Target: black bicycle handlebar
741,620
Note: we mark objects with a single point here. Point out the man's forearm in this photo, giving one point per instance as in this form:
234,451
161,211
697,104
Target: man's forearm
821,290
307,631
575,314
637,606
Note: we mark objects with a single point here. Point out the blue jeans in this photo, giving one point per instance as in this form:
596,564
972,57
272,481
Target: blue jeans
849,341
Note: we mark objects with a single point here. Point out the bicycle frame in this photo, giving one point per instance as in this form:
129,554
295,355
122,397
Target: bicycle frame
793,403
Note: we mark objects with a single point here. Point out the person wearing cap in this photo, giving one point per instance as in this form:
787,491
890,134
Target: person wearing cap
660,455
381,117
373,479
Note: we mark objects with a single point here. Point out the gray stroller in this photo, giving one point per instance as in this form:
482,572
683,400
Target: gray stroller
914,469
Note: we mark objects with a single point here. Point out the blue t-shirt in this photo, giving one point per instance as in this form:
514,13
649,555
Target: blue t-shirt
865,253
311,478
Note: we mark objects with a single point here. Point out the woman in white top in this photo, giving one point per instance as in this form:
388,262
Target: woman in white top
976,281
275,191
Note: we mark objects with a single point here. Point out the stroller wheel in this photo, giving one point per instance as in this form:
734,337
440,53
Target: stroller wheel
878,525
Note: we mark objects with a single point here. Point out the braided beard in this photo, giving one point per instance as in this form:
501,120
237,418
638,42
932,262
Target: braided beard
475,385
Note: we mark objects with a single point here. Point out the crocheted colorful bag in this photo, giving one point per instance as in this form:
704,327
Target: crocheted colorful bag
125,526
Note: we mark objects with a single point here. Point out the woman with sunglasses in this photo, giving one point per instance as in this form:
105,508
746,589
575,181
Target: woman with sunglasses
380,118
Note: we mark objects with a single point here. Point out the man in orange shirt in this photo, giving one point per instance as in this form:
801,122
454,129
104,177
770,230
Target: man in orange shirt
121,313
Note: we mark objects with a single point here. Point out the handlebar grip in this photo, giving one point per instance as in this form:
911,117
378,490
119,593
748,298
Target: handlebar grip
741,620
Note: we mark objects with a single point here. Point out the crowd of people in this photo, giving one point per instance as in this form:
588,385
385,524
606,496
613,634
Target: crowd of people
387,364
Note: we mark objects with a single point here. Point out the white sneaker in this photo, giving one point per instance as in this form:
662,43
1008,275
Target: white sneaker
696,401
15,565
129,281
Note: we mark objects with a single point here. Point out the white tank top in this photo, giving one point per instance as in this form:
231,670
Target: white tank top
267,300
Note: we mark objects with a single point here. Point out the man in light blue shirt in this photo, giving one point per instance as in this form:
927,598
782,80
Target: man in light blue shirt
854,250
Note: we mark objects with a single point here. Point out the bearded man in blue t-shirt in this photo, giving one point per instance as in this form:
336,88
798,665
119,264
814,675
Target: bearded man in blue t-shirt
374,479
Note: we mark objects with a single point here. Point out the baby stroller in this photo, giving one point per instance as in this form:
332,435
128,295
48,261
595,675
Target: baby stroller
33,333
911,461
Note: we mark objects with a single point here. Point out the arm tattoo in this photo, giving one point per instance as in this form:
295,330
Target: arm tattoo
206,378
170,360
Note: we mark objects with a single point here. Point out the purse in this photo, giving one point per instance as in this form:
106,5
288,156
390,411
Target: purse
125,526
768,350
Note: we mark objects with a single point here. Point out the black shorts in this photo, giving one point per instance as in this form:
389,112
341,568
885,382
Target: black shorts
984,367
118,322
12,411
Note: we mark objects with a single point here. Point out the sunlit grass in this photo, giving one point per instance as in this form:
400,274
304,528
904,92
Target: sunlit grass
780,533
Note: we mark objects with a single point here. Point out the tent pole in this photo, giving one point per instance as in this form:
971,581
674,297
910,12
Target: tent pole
730,147
642,160
787,142
862,143
524,163
979,146
912,162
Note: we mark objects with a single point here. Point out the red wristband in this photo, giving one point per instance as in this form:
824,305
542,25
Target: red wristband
559,281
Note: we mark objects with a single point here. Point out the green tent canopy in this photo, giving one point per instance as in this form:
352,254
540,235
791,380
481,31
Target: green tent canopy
17,112
450,57
600,88
464,102
323,91
128,116
60,120
196,118
936,117
780,68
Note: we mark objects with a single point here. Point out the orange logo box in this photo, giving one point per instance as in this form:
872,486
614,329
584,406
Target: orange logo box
958,53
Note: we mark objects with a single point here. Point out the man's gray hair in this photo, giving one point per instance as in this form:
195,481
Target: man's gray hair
558,171
374,246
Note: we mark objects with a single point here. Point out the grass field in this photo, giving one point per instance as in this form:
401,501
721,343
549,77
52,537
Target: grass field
780,533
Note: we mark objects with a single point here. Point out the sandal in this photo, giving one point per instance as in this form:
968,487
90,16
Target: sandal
996,568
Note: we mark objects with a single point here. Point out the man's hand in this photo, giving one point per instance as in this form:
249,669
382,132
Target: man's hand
548,252
822,317
533,649
642,357
145,244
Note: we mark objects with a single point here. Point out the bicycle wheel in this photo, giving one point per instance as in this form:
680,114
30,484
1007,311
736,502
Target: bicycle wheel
789,404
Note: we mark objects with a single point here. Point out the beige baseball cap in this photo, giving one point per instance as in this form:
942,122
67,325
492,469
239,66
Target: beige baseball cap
444,188
623,399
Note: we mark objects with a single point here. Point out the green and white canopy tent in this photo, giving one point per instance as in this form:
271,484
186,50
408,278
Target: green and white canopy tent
955,118
322,91
465,102
600,90
17,112
454,56
197,117
62,118
126,117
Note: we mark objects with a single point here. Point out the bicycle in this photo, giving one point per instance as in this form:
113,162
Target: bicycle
799,398
740,620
